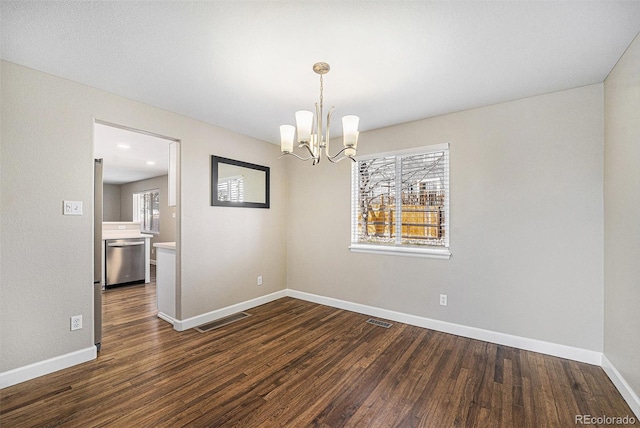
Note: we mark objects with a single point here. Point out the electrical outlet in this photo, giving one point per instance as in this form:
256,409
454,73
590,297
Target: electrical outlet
76,322
260,280
443,300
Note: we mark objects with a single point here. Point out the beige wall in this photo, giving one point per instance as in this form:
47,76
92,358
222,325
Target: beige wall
237,243
46,264
111,202
46,261
622,216
526,223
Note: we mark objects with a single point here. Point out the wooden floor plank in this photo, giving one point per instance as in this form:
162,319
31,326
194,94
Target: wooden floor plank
295,363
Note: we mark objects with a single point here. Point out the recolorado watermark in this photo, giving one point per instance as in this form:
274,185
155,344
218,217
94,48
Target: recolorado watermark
604,420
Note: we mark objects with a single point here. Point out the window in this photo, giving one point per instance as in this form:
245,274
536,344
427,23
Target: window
146,210
400,202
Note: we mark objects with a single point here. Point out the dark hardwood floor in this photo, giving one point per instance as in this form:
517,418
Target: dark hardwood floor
294,363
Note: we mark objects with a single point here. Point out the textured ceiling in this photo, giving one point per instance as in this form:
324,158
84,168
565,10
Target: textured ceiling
246,65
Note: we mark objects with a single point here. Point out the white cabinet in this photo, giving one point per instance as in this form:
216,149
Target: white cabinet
173,164
166,280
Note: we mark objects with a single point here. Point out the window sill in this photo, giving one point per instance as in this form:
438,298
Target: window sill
430,253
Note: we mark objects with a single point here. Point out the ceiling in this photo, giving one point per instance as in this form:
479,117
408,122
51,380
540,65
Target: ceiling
129,156
247,65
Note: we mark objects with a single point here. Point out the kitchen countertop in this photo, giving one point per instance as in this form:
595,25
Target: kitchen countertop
125,235
166,245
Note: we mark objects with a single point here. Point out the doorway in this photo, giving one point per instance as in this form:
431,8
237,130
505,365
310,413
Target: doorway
138,191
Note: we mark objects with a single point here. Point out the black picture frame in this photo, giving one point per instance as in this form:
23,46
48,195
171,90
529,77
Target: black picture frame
216,161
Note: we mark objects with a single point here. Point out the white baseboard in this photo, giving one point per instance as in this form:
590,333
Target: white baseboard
167,318
32,371
41,368
563,351
625,389
181,325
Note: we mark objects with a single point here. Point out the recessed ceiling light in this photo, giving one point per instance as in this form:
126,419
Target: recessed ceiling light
123,146
151,163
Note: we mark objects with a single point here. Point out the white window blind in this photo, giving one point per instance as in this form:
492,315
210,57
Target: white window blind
401,199
231,189
146,210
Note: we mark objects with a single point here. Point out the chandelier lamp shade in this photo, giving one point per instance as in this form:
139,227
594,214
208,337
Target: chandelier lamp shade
313,137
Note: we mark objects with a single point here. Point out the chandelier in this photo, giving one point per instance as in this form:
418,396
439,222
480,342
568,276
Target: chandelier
313,137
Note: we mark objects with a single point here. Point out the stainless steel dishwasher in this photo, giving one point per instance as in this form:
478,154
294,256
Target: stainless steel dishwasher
124,261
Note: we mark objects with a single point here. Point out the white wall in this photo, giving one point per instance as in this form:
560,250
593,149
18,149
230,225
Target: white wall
622,218
46,260
526,223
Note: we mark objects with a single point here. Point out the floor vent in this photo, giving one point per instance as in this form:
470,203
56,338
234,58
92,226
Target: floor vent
222,322
379,323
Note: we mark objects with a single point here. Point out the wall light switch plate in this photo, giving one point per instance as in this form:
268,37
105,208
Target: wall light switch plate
72,208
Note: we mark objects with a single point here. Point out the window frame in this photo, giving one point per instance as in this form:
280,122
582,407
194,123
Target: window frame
136,210
436,252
